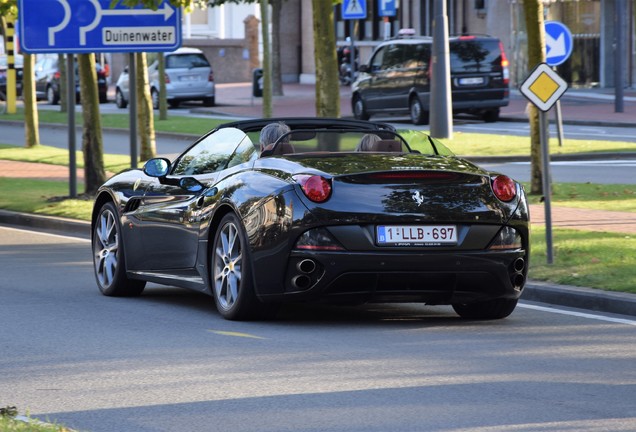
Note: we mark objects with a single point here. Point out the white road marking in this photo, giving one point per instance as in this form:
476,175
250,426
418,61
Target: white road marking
578,314
46,234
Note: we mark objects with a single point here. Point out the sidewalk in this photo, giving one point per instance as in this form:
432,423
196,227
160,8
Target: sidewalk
589,107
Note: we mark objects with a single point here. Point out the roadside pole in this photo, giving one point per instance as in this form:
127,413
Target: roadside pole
70,107
132,110
544,87
547,182
441,112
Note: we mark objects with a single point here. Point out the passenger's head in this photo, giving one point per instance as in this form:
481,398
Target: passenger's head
366,143
272,132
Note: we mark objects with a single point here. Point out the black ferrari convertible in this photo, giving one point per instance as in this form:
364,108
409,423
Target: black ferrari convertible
315,217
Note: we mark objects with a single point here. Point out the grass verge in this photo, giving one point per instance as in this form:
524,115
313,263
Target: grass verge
9,423
585,258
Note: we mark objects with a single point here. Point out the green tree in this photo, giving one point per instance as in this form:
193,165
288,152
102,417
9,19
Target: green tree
327,87
276,70
9,13
92,141
31,125
535,29
145,113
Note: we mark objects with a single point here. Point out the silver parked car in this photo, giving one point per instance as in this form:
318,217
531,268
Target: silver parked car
188,77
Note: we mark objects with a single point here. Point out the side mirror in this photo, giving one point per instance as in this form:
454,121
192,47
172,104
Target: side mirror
363,68
157,167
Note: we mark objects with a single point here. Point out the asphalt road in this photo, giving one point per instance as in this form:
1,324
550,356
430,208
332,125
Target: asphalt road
603,171
166,361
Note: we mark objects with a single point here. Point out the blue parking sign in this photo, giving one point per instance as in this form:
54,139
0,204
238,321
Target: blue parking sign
386,8
78,26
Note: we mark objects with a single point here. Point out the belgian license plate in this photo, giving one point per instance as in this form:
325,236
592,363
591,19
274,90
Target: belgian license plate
471,81
416,235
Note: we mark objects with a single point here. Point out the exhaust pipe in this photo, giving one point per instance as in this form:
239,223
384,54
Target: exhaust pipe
306,266
519,264
301,282
518,280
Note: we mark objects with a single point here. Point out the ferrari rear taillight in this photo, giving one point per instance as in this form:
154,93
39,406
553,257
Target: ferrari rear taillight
315,187
504,188
318,239
504,65
507,238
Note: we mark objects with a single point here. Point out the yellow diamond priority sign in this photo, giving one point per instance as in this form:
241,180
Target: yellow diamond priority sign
543,87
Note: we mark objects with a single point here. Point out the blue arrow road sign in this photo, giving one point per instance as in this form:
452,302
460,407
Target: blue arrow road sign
558,43
79,26
354,9
386,8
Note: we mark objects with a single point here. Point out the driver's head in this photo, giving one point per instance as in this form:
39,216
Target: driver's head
272,132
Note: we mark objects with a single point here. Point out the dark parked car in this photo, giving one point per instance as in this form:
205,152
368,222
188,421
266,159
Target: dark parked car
47,80
397,78
312,219
18,64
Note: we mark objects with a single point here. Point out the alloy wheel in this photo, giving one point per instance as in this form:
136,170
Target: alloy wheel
106,248
228,265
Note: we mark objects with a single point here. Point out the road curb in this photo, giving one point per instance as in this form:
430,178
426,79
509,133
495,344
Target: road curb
580,298
57,225
535,291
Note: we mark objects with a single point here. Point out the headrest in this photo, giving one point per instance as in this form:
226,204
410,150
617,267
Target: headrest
392,146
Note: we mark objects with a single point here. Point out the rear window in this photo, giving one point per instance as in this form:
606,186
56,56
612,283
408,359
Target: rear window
475,55
186,61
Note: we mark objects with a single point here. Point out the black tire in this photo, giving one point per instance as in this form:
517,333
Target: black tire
231,271
109,257
120,101
491,116
103,98
52,97
359,109
209,101
419,115
486,310
154,94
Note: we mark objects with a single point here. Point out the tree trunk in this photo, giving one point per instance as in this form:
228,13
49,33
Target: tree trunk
92,143
163,104
536,54
31,124
145,113
327,85
277,80
267,65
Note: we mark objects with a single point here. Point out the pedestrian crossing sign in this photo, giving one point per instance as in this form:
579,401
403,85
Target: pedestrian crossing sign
354,9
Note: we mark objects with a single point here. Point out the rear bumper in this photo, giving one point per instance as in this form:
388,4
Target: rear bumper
433,278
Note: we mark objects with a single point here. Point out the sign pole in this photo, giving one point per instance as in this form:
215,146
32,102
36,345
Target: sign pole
547,189
132,95
543,88
70,106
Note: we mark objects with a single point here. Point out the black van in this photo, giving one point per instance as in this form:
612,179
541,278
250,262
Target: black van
397,78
